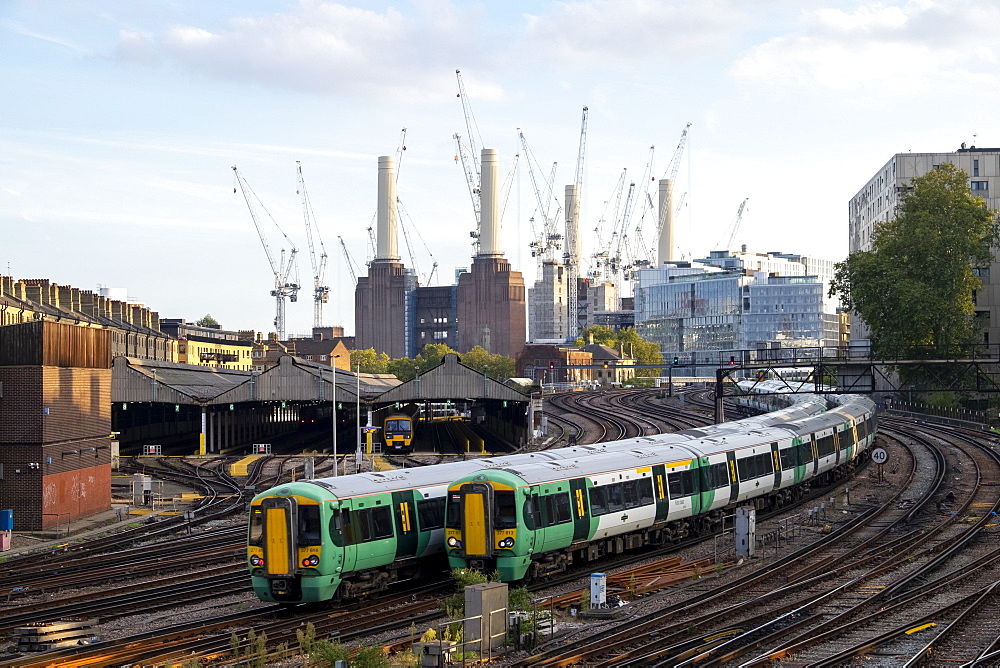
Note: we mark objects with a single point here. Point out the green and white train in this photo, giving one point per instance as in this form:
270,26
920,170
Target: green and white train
348,536
539,518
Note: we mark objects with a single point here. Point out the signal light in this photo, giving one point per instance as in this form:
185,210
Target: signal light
732,360
676,360
551,365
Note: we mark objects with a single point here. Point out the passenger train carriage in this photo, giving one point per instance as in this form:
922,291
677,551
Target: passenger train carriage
347,536
537,518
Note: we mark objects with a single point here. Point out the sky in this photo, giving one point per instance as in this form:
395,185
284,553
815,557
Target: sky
120,124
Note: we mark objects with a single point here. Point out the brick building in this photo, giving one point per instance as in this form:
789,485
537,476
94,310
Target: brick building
55,422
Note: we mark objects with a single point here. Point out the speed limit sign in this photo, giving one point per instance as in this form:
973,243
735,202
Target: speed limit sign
880,456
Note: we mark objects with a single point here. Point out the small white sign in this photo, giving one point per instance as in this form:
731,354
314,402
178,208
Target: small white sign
880,456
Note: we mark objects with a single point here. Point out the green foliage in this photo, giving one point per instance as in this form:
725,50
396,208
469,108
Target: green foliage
252,653
306,637
326,654
370,656
207,321
498,367
627,339
519,598
370,361
454,605
915,287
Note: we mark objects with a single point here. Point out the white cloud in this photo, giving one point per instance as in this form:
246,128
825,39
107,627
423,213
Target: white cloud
329,47
911,48
20,29
583,34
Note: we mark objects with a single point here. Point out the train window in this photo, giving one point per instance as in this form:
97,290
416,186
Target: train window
645,492
847,437
805,453
342,532
631,493
754,466
680,484
453,512
555,509
381,522
787,457
598,502
530,512
825,446
256,527
309,531
430,513
504,512
717,475
359,519
614,495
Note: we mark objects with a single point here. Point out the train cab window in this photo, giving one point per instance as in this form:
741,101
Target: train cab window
598,502
381,519
504,513
256,527
309,529
453,512
430,513
397,426
680,484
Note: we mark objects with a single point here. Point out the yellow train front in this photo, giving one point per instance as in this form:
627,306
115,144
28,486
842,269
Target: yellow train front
398,433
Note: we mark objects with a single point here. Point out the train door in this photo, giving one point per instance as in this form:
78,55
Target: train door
279,535
343,532
581,518
734,479
476,519
660,492
406,524
777,465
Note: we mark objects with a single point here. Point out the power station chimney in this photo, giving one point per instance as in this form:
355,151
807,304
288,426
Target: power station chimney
574,251
489,204
665,244
387,248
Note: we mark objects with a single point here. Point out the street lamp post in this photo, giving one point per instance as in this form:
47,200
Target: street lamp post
333,413
357,456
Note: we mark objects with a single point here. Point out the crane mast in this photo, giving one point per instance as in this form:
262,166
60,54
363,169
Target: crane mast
284,285
350,261
470,156
671,173
321,292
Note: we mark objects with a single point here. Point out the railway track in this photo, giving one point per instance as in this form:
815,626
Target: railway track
867,585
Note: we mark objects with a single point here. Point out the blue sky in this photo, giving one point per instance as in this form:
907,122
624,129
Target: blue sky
119,124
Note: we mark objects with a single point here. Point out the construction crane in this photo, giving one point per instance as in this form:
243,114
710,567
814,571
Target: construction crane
671,173
350,262
549,239
583,150
284,285
470,156
321,292
734,226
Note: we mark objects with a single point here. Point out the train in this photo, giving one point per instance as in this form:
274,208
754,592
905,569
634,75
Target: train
341,537
536,519
397,430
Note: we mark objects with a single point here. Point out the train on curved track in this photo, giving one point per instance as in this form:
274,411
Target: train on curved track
533,513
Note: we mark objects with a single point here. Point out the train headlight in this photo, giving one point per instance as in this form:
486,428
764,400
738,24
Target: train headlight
454,542
256,561
506,543
310,562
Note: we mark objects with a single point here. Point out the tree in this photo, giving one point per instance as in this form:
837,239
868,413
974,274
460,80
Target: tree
496,366
207,321
370,361
644,352
915,286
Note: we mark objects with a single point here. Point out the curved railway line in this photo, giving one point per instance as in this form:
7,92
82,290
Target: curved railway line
905,570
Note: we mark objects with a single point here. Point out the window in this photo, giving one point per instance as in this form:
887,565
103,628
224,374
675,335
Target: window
754,466
309,532
787,458
620,496
825,446
975,168
381,522
598,502
504,512
430,513
717,476
360,526
980,185
680,484
454,513
256,525
554,508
